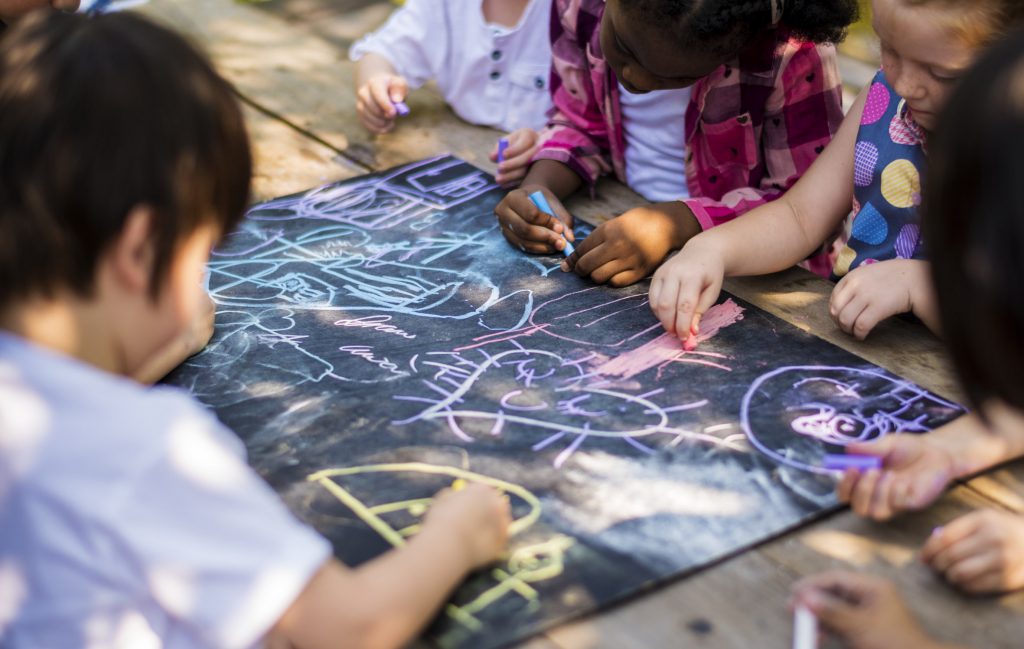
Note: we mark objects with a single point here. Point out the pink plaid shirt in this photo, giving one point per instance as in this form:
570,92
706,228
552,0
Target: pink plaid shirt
753,126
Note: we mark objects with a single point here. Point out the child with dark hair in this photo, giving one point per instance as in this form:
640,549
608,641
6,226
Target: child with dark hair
875,164
708,108
129,516
974,225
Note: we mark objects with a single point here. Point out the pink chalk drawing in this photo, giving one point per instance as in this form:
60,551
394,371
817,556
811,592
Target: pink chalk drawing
543,398
667,349
795,415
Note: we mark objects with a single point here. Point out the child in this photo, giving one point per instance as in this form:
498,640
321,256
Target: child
129,516
740,103
491,61
974,225
873,164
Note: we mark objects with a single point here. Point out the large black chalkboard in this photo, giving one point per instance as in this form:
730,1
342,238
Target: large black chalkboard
377,339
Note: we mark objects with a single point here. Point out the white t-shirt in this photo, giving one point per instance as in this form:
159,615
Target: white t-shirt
129,518
654,125
490,75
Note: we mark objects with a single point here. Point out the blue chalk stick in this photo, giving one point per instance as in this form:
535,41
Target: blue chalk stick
542,204
402,109
859,462
502,145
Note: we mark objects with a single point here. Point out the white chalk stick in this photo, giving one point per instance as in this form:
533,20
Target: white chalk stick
805,629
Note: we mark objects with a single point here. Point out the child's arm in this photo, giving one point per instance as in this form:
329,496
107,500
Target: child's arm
386,602
407,51
862,611
768,239
918,468
980,553
873,292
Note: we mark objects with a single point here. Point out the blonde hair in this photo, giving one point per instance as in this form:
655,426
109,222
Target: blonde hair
980,22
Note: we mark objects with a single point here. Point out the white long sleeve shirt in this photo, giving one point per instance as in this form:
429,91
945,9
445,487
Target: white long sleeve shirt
490,75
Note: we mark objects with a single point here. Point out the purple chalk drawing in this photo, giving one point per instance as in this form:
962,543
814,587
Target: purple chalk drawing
797,415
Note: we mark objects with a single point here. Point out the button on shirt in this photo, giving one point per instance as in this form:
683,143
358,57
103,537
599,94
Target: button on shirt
488,74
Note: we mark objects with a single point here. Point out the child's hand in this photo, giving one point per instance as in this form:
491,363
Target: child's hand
528,228
686,286
874,292
862,611
626,249
522,144
982,552
478,515
375,101
915,473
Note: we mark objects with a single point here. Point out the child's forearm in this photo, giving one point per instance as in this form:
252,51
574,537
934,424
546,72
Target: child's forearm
372,65
554,176
382,604
975,447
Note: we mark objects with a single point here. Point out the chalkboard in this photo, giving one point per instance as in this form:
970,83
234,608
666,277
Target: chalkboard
378,339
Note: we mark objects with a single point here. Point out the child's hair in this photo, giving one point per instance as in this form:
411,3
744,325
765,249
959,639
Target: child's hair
726,25
99,116
982,21
974,225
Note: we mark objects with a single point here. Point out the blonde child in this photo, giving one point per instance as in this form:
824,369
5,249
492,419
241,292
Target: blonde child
129,515
874,164
707,109
491,61
974,211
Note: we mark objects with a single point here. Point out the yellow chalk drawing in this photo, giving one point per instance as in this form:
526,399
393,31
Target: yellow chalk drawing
525,565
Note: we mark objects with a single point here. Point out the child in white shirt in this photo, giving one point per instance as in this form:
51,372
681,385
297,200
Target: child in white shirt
491,61
128,516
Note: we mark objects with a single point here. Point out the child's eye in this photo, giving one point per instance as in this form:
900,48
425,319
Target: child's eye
944,76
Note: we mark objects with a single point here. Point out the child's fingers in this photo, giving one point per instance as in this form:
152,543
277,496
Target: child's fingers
948,536
398,89
625,278
970,568
603,273
862,494
520,141
666,304
851,311
954,553
570,264
844,490
508,178
514,162
380,96
866,322
881,500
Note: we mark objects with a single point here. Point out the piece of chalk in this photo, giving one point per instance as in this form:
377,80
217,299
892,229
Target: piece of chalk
502,145
542,204
402,109
459,484
805,628
691,343
859,462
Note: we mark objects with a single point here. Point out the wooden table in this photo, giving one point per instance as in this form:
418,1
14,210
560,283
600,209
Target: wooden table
289,64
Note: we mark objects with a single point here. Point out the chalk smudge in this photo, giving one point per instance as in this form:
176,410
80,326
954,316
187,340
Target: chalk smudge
667,348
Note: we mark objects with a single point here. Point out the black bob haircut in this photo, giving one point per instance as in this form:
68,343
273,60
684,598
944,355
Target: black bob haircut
99,115
973,215
729,24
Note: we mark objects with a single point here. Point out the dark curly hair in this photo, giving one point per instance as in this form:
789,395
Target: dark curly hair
729,24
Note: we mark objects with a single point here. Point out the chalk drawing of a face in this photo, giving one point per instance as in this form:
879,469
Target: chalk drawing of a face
795,415
396,521
537,395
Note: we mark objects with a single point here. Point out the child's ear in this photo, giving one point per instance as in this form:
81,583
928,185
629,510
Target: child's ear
131,255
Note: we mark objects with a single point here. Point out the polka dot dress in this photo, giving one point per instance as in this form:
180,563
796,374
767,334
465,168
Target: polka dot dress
889,160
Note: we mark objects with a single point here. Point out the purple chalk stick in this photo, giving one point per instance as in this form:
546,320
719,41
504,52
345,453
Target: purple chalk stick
402,109
502,145
859,462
